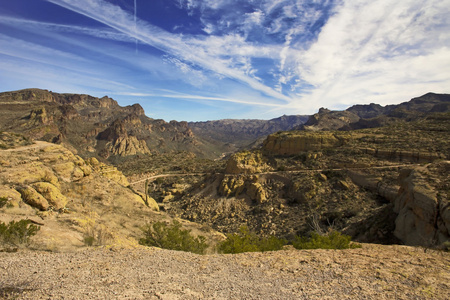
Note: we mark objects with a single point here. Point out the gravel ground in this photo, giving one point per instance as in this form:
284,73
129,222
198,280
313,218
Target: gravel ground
372,272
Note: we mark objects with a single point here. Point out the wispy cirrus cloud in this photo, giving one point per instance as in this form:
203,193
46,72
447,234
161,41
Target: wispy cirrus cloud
123,21
103,33
176,95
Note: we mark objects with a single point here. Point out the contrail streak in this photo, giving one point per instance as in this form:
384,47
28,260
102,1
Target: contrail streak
135,26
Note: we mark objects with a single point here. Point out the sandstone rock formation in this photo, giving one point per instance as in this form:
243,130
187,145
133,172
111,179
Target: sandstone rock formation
246,163
42,173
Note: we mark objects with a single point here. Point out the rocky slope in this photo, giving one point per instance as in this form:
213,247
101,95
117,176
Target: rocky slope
72,199
95,126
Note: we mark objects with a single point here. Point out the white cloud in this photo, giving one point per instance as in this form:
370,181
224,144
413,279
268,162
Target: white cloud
175,45
379,50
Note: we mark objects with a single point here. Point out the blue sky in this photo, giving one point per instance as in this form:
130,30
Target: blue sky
213,59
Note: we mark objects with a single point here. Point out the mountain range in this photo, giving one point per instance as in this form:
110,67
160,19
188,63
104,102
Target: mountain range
100,127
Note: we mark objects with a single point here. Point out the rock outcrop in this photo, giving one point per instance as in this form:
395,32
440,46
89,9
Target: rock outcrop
71,198
329,120
119,142
43,173
51,193
232,186
246,163
39,117
404,155
423,206
126,146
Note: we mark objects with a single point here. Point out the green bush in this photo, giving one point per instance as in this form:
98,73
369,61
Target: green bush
172,237
332,240
17,233
246,241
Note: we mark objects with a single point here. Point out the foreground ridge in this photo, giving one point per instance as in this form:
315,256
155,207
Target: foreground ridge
384,272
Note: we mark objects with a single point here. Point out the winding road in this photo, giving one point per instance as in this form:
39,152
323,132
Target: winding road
276,172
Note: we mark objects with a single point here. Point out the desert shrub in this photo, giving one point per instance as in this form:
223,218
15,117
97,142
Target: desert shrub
446,246
3,201
246,241
97,235
17,233
331,240
173,237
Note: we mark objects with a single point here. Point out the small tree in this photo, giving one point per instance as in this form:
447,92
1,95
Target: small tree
172,237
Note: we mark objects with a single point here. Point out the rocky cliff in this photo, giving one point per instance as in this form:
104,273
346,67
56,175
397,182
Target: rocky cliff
295,142
423,206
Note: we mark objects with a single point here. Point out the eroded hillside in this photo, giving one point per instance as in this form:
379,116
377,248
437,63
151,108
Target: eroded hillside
75,202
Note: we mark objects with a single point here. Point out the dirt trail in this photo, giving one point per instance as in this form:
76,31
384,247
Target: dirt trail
36,145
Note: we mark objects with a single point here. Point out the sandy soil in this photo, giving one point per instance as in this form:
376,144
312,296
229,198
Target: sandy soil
372,272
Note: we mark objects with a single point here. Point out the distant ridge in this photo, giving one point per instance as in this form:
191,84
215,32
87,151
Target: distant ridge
243,132
374,115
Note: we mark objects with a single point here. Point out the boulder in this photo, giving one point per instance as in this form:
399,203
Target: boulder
51,193
68,171
13,197
256,192
33,198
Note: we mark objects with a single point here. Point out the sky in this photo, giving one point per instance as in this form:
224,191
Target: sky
198,60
